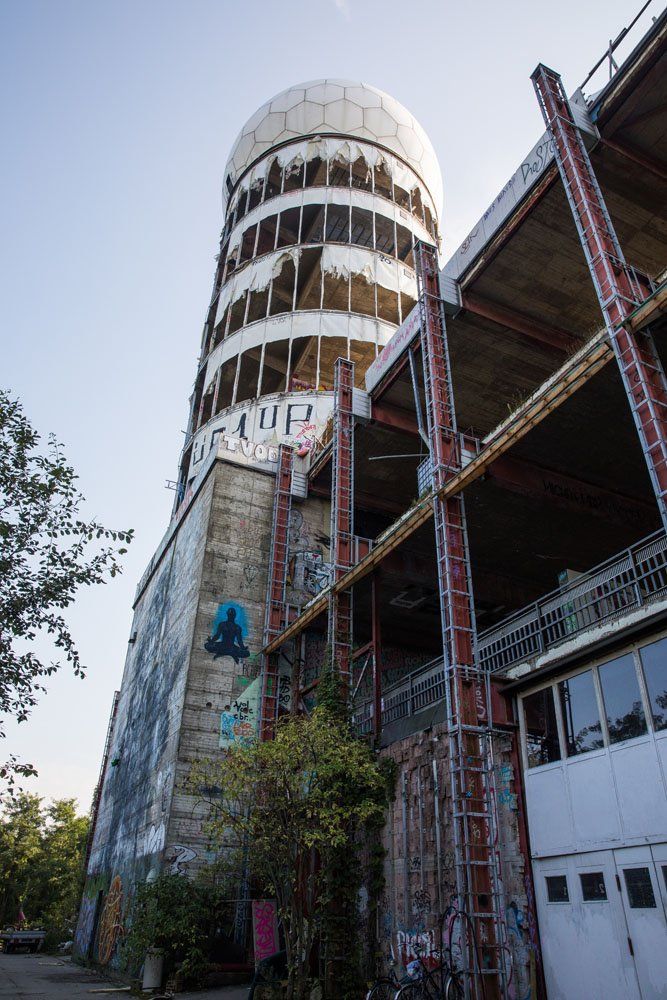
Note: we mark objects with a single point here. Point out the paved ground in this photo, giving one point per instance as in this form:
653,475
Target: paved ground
44,976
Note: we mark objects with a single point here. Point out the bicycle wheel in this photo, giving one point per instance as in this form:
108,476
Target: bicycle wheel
454,987
382,989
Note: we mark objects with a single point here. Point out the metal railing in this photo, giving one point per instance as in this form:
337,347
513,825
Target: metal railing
421,688
626,581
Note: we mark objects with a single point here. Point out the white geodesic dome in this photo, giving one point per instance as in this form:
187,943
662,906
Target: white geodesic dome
341,107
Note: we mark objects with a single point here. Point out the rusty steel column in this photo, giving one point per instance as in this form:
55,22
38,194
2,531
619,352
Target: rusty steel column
467,687
342,489
275,603
618,287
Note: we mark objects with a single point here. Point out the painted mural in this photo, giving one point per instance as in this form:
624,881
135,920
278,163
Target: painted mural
228,632
239,722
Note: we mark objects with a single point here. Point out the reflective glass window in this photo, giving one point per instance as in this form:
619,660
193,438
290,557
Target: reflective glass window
539,714
622,699
654,662
593,888
583,730
640,889
557,889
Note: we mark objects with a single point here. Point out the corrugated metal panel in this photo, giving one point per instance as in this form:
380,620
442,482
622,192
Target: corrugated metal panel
299,484
361,405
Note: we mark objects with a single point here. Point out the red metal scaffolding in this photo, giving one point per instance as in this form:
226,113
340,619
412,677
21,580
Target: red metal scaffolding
468,693
277,582
618,287
342,486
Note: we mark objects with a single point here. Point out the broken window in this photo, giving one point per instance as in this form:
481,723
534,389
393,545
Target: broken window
331,348
288,227
361,228
303,364
257,305
266,241
404,242
338,223
382,179
226,387
316,172
294,172
362,354
232,261
581,717
339,172
622,699
274,370
255,194
312,224
417,203
274,180
248,244
401,197
241,204
387,300
362,295
407,305
385,238
362,177
336,291
237,314
248,375
309,279
539,712
430,223
282,288
207,408
654,661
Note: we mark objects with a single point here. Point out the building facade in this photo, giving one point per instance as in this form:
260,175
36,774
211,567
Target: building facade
554,487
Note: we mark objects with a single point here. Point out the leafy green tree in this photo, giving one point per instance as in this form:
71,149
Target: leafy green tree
41,863
47,552
298,804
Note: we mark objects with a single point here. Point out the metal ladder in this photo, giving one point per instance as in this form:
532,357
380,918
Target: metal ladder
275,601
618,287
468,689
342,492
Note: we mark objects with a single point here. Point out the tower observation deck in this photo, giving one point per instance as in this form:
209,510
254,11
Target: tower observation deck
325,189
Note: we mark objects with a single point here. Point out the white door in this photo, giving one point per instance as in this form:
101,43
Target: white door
643,902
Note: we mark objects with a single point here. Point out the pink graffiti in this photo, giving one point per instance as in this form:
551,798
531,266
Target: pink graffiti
265,928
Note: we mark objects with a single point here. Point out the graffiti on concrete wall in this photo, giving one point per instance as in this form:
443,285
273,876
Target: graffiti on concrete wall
239,720
228,632
177,858
309,571
506,797
111,921
264,928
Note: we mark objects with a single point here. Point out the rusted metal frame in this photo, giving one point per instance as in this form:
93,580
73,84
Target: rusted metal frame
575,373
644,160
467,688
342,506
275,614
649,311
376,643
626,81
617,287
532,328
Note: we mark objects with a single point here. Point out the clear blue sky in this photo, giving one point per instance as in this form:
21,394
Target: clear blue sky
117,118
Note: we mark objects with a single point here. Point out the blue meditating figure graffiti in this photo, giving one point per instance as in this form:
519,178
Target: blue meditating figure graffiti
228,633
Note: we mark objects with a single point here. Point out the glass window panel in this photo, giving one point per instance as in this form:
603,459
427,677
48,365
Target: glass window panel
266,240
338,223
312,225
583,730
361,230
316,172
274,179
654,661
339,172
382,179
385,238
362,176
309,279
557,889
294,176
288,228
256,192
592,887
640,890
622,699
248,243
539,713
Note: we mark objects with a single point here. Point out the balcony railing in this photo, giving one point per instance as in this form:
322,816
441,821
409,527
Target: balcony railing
626,581
421,688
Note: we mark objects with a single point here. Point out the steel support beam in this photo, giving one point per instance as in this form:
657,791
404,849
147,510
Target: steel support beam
543,333
644,160
618,288
342,528
276,609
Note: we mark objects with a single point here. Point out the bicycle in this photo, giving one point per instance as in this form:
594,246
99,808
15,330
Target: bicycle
384,987
442,981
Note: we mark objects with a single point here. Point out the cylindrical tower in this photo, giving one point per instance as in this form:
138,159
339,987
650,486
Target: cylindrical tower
325,189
